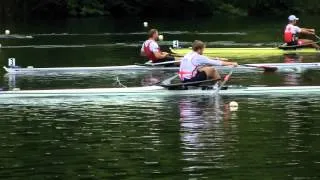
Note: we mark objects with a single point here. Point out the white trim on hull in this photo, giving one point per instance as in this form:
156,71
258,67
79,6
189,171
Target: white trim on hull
282,67
160,91
81,69
32,70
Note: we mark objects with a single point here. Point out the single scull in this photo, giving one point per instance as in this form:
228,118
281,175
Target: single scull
159,90
245,52
279,67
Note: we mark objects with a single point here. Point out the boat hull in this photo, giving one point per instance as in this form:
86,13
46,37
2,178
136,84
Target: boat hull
18,70
161,91
111,68
281,67
245,52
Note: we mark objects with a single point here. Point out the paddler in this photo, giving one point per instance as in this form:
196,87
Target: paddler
151,49
291,34
195,67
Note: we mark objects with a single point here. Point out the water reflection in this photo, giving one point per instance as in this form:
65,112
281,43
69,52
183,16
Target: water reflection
88,139
83,79
151,137
293,58
292,79
206,124
165,137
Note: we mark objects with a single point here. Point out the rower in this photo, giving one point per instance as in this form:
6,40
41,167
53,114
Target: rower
151,49
292,31
195,67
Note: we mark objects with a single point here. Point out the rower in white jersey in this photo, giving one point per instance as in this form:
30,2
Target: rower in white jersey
292,31
195,67
151,49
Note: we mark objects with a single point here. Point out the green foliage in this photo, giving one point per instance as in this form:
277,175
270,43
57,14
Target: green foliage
172,8
86,7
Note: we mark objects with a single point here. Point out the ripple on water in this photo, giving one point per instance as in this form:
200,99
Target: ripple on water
193,137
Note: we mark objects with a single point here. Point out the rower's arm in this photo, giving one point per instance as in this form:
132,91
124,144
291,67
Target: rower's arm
203,60
226,63
307,31
160,55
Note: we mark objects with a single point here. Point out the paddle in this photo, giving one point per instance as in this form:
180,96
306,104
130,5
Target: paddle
225,80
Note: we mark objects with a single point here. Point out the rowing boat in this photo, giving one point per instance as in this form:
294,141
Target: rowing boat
280,67
245,52
33,70
163,91
13,69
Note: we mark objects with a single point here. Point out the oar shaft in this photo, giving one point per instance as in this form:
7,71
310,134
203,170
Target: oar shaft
168,81
265,68
163,63
226,79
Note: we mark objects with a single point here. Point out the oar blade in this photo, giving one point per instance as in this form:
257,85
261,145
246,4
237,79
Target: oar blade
265,68
270,69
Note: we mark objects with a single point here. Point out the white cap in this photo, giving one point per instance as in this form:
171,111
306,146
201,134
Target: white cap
293,18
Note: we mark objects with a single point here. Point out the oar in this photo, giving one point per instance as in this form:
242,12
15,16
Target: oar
176,55
265,68
162,63
225,80
166,82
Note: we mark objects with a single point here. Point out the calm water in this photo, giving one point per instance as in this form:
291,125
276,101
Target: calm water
151,137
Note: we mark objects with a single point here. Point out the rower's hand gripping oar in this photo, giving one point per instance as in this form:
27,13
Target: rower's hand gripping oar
225,80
